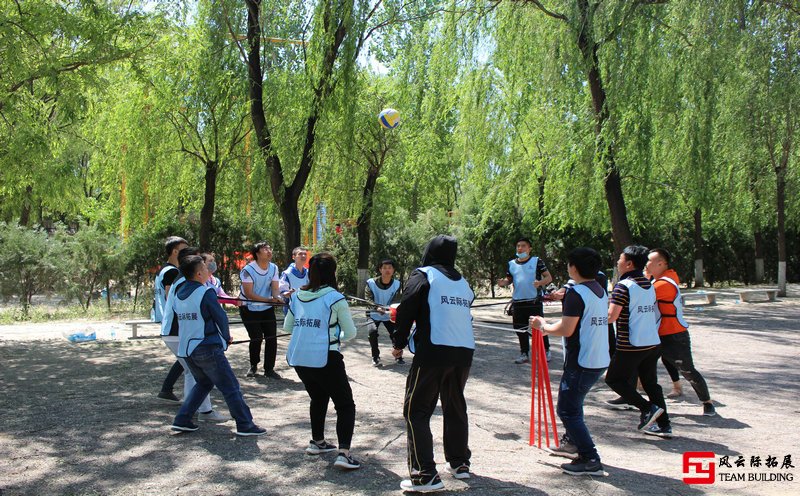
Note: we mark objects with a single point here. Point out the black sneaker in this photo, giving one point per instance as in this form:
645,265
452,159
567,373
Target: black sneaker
252,371
272,374
253,430
649,418
460,472
346,462
565,448
376,361
315,448
583,466
709,410
417,484
168,396
399,360
656,430
619,403
187,426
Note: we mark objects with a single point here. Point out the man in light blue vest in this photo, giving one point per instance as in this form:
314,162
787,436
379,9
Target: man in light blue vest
632,307
384,291
530,276
164,280
295,276
203,338
584,330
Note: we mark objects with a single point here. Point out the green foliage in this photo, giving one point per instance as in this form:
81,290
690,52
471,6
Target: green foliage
30,263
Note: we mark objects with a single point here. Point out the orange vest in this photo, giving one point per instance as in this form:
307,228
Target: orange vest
665,296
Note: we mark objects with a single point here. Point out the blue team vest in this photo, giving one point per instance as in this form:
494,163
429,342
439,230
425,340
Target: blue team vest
311,337
642,324
169,316
159,296
449,301
382,297
191,325
524,275
262,284
294,281
677,303
593,329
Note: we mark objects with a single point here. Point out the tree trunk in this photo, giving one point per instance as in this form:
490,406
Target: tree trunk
136,292
605,151
698,248
759,256
780,194
542,245
108,294
25,214
207,212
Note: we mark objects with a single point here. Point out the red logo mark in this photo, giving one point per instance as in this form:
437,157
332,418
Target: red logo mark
699,467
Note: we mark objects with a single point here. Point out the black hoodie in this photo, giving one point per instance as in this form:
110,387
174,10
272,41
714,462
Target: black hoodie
441,255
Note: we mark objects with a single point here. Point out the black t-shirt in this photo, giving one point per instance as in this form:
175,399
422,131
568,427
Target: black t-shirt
170,276
574,307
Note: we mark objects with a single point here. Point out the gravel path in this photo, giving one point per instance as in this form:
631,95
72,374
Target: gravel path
83,419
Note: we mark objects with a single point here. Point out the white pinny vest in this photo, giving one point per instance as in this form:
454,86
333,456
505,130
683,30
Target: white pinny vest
191,325
593,329
311,337
449,301
524,276
382,297
642,324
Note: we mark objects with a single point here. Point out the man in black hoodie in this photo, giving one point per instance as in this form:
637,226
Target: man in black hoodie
438,299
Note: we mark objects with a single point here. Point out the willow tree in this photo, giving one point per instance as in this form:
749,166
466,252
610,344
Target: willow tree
595,25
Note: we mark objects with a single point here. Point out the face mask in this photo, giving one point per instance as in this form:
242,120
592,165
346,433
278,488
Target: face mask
522,255
212,267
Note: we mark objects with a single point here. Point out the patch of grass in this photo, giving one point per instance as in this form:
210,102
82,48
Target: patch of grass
120,309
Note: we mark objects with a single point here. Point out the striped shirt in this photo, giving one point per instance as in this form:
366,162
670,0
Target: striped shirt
621,297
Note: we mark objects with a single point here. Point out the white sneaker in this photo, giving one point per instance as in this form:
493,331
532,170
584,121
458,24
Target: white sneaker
213,416
460,472
523,358
416,485
346,462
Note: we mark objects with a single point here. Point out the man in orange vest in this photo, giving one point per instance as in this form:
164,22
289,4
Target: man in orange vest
676,347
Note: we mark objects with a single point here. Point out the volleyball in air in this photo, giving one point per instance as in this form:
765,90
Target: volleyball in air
389,118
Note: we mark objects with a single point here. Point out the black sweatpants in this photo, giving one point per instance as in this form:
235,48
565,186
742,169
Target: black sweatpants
172,377
425,385
621,376
523,311
330,383
261,326
373,335
676,350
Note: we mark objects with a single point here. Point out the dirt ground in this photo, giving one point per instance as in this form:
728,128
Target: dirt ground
83,418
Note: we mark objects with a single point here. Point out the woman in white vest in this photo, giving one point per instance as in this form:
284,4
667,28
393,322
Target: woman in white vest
584,330
384,291
438,299
319,320
260,288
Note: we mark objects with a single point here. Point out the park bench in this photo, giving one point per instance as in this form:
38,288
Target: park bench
745,295
135,324
709,296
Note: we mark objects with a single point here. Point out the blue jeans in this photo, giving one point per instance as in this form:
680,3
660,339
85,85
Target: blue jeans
575,384
210,368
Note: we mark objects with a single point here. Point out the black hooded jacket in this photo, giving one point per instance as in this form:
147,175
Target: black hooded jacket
441,255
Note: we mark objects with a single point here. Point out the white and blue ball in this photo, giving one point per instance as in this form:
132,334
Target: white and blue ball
389,118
